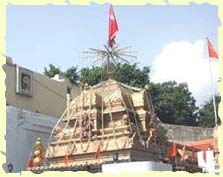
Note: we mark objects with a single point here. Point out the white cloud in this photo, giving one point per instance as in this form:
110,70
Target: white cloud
183,61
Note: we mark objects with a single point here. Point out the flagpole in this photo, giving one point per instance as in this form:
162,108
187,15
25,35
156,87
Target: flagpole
213,96
215,114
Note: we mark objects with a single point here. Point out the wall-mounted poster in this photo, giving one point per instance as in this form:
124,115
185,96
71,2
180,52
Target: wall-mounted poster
24,83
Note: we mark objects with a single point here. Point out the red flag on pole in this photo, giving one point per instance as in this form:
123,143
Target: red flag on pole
211,50
173,151
66,159
112,28
30,163
98,152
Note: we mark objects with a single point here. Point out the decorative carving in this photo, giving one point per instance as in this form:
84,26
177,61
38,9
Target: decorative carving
38,157
86,126
125,119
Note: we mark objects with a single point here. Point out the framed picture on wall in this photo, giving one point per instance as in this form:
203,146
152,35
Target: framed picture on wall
24,81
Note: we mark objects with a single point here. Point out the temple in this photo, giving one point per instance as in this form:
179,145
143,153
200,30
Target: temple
113,122
106,118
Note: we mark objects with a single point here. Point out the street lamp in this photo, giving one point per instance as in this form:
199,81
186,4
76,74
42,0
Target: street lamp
10,167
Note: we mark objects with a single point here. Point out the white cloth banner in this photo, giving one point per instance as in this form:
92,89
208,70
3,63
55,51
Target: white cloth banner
200,159
209,164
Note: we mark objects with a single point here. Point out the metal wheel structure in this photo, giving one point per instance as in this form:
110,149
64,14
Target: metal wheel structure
110,56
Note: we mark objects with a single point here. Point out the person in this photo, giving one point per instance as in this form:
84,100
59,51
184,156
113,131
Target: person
25,83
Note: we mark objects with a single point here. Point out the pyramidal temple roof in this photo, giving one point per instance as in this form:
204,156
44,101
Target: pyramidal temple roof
115,91
112,90
109,92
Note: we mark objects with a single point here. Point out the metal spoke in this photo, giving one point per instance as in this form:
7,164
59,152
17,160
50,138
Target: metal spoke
90,52
131,56
111,56
115,47
96,61
128,51
122,58
97,50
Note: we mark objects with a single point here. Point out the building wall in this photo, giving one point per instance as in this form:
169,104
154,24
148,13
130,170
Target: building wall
135,167
180,134
22,129
29,117
49,96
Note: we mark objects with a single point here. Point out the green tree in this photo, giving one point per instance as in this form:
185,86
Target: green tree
51,71
131,74
125,73
92,75
174,103
71,73
206,117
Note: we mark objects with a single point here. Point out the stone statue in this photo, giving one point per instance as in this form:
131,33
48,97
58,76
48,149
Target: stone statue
86,126
125,119
152,128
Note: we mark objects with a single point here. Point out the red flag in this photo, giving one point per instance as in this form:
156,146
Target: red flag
98,152
66,159
30,163
112,28
211,50
172,151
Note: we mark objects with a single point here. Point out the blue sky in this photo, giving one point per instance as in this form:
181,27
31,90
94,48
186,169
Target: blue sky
41,35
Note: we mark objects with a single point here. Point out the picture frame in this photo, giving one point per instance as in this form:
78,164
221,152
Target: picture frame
24,81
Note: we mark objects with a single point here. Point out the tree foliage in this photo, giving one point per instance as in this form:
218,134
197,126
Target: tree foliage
51,71
125,73
174,103
131,75
206,115
92,75
71,73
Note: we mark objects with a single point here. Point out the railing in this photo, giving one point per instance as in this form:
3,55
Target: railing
190,166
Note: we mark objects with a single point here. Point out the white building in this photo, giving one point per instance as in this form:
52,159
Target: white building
34,103
22,128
